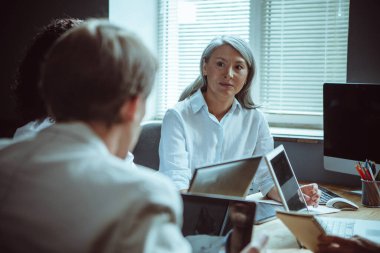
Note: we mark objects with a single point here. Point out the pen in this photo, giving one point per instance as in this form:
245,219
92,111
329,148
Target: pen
368,174
378,176
361,174
369,169
373,167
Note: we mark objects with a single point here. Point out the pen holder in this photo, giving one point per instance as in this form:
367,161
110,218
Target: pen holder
370,193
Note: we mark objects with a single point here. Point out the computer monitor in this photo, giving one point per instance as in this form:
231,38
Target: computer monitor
351,122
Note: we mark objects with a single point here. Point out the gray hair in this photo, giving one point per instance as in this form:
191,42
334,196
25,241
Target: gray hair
92,70
244,96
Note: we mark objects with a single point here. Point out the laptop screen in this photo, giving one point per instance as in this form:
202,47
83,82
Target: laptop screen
285,180
231,178
209,214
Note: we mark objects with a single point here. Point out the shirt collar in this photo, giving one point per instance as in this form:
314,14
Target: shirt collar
197,101
81,132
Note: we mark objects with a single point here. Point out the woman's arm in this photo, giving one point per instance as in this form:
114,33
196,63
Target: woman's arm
174,156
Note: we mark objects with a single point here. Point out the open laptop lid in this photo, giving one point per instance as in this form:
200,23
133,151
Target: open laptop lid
231,178
209,214
285,180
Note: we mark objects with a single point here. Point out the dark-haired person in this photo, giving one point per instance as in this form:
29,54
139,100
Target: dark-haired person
216,119
30,105
68,188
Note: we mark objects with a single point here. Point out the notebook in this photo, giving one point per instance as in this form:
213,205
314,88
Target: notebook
209,214
307,228
231,178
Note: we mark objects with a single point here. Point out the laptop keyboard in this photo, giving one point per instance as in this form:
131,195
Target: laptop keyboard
326,195
339,227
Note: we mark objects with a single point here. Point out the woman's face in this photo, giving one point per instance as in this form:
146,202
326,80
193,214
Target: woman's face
226,72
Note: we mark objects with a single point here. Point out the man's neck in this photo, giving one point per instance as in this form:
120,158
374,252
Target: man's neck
115,137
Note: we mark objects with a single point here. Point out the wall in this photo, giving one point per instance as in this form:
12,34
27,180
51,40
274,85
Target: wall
363,57
20,21
139,17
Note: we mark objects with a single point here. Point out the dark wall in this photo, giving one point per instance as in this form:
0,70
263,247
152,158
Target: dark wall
363,58
307,163
20,21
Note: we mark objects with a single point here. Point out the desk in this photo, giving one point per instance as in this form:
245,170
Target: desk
282,240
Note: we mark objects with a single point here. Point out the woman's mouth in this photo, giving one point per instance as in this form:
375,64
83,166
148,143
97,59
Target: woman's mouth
226,84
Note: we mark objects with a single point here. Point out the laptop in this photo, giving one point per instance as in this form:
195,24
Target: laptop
285,180
209,214
307,228
231,178
299,219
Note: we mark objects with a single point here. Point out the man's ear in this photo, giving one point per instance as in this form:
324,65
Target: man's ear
129,110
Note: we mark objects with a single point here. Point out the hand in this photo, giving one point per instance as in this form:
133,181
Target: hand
273,194
311,194
257,245
337,244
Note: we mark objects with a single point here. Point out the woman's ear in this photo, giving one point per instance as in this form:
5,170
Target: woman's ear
204,71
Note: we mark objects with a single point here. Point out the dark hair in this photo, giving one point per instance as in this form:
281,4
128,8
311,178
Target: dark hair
29,102
244,96
92,70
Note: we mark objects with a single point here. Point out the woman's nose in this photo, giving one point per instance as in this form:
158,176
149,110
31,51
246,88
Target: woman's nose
229,73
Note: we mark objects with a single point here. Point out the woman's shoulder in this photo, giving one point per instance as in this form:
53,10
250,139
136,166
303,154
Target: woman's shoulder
256,111
180,109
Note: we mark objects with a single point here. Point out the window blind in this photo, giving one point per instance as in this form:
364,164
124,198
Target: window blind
303,45
185,29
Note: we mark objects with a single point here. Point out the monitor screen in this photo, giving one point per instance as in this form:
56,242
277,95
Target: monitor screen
351,121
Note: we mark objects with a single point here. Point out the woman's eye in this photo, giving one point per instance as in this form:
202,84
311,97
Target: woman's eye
220,64
239,67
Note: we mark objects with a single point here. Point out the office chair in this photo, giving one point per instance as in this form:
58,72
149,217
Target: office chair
146,150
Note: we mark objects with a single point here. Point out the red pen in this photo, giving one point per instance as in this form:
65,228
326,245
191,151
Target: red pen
361,174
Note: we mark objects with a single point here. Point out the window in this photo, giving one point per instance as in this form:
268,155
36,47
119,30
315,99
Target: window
298,45
185,29
303,45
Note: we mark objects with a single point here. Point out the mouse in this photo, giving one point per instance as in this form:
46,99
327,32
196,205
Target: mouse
341,203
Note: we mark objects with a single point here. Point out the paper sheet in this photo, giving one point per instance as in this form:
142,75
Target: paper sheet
322,209
258,197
